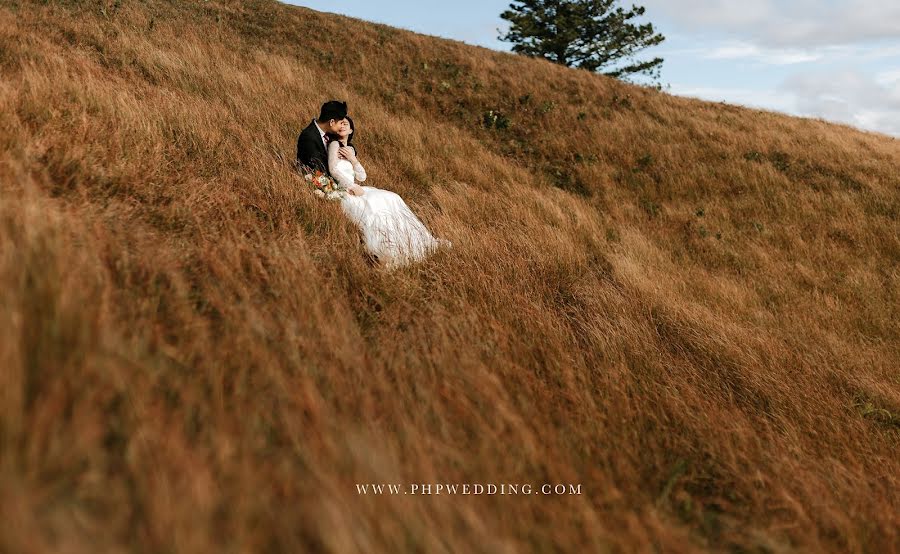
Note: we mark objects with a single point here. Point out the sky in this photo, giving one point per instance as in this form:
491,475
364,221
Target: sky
837,60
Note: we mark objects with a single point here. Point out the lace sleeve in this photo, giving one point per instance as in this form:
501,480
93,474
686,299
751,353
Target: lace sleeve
333,159
359,169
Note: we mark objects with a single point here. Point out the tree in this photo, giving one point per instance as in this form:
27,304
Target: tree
590,34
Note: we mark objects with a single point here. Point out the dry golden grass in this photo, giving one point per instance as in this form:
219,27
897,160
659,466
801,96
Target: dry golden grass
690,309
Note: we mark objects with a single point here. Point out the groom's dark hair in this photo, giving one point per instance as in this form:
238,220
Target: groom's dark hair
333,109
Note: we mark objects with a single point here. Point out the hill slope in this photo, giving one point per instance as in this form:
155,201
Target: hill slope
688,309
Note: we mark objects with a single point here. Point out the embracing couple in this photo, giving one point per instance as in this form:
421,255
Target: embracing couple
393,235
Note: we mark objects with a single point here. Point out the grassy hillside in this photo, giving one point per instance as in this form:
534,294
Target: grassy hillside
689,309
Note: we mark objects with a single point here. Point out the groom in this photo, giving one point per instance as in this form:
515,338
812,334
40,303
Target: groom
313,141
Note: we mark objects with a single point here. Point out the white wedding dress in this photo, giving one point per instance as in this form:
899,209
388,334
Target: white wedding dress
390,230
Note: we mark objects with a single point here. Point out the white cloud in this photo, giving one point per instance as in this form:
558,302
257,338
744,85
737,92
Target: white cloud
754,98
787,23
743,50
845,54
849,96
694,14
888,78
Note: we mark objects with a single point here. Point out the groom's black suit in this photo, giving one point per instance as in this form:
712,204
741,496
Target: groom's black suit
311,150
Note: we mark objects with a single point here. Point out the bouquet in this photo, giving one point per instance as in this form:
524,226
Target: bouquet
323,185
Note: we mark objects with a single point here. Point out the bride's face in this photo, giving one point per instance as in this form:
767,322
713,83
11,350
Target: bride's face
344,129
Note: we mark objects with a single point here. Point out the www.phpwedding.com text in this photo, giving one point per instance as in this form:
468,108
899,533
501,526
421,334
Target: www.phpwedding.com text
430,489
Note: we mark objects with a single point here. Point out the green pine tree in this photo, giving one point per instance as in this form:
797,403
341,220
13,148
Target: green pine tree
595,35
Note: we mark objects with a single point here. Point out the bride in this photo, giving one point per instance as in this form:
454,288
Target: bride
391,231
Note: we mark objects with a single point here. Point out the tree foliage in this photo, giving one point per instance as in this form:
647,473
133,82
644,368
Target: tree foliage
596,35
